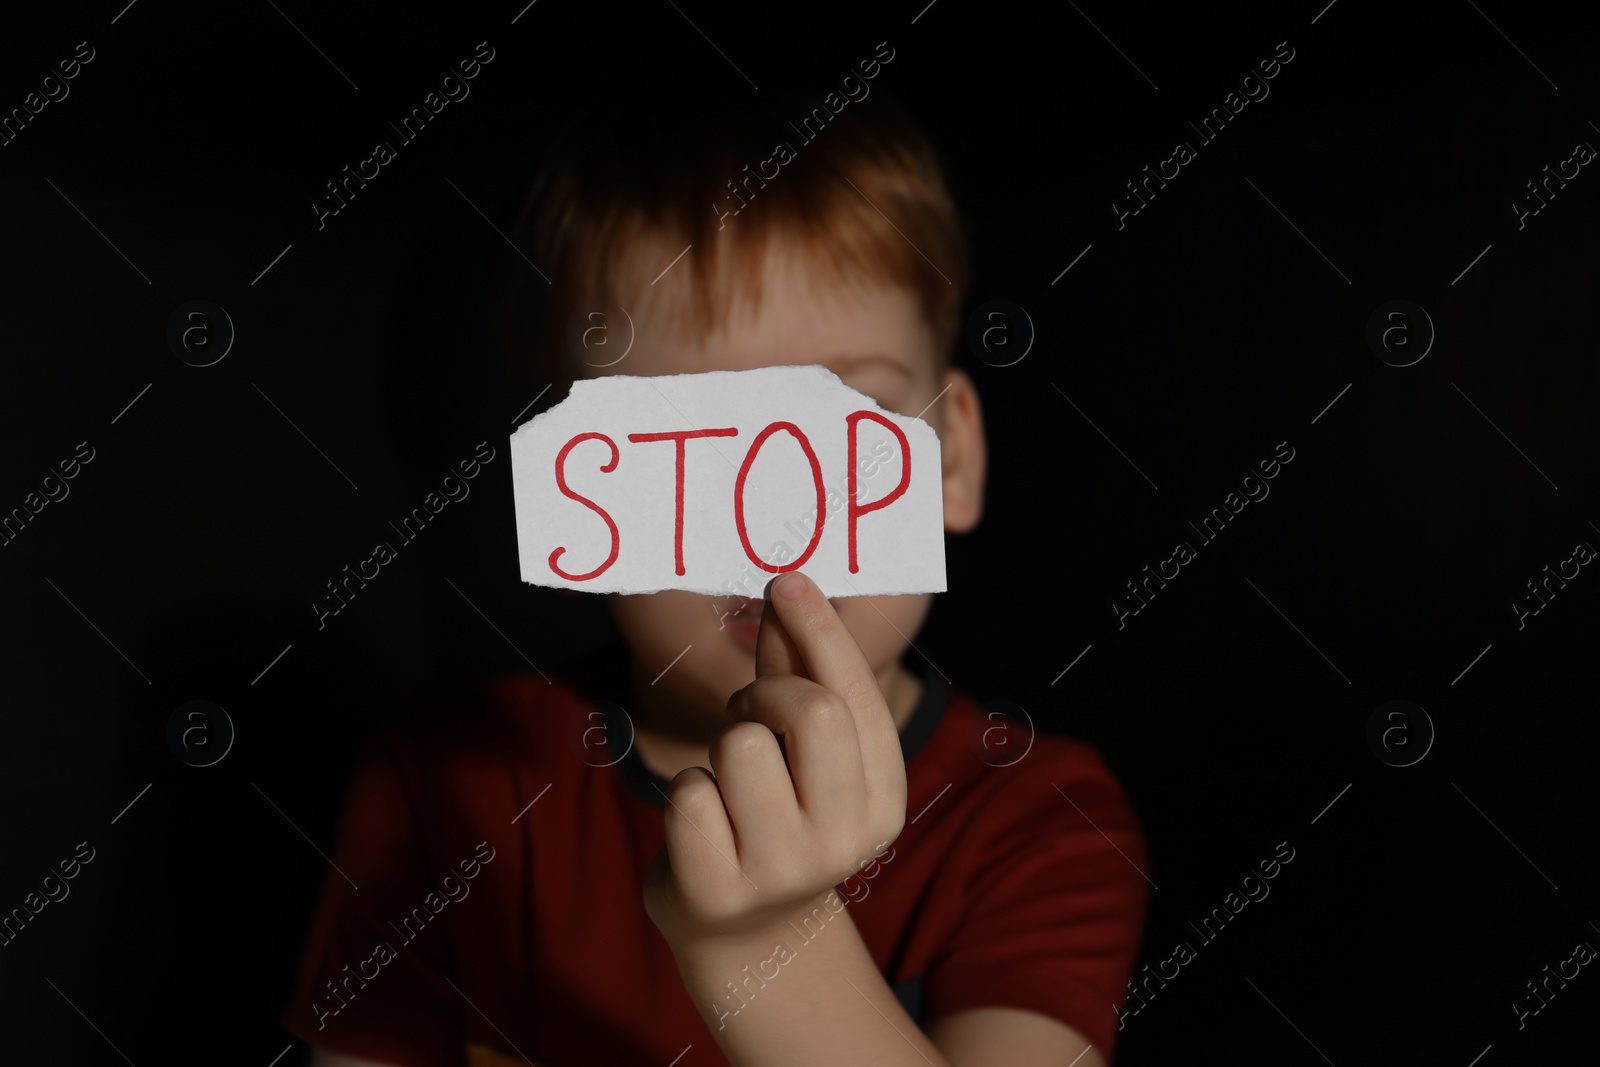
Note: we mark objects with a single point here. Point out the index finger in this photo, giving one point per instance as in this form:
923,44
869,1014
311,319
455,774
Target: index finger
808,629
831,658
775,649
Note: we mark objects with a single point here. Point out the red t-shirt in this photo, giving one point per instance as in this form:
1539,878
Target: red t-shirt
484,903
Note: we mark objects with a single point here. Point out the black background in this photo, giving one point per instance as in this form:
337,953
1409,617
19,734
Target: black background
1196,338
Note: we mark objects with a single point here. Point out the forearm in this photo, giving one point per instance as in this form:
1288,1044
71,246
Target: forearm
805,993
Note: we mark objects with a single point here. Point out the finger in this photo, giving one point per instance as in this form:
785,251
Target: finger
699,837
775,649
826,649
832,659
825,775
756,791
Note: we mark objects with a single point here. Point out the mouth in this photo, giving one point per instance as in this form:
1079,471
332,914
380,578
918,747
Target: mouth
743,625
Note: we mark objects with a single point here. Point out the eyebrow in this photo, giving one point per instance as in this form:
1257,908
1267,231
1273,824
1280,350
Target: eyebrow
841,364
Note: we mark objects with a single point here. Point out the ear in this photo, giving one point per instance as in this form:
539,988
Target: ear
965,454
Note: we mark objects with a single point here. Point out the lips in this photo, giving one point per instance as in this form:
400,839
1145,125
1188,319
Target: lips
743,625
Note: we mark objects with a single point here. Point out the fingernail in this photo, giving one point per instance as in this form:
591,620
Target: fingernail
790,586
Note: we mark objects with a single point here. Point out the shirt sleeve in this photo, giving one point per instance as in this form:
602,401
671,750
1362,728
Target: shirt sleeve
1055,906
372,976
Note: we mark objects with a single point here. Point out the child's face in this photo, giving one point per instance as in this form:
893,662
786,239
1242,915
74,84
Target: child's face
878,342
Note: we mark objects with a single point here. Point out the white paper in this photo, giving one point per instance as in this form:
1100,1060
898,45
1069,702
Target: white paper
899,545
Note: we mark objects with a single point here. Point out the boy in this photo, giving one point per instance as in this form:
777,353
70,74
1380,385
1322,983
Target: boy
527,873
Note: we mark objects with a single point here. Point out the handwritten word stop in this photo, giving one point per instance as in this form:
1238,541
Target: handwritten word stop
697,481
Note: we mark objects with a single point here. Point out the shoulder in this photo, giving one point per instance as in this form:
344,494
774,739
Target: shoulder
999,752
1015,794
462,719
460,736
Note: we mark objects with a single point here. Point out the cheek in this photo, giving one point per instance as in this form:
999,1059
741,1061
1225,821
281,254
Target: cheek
652,622
878,624
656,629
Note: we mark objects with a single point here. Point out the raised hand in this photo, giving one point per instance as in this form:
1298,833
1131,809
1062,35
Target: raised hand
806,784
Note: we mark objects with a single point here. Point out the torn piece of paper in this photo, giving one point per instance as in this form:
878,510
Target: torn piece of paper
716,482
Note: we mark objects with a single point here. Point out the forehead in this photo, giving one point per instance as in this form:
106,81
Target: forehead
807,313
